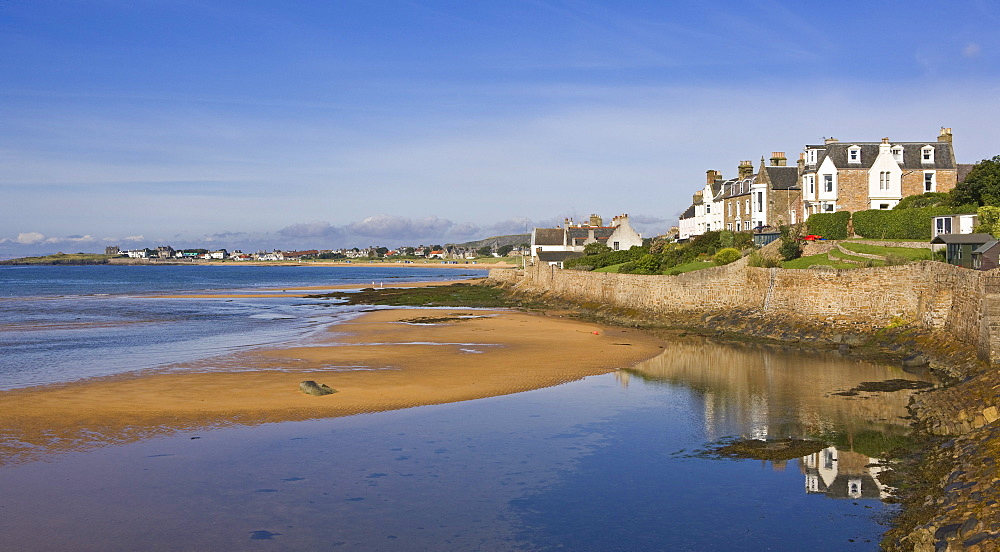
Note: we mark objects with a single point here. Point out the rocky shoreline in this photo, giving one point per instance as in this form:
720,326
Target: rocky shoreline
950,485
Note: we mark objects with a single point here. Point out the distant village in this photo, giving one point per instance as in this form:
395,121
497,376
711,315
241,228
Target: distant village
448,252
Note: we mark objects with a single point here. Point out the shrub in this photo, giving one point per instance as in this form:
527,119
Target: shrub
832,226
726,256
895,260
759,260
904,224
790,248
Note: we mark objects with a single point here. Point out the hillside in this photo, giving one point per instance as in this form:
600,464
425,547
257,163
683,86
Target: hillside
500,241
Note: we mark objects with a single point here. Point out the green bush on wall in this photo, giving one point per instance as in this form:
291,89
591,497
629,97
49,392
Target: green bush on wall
832,226
905,224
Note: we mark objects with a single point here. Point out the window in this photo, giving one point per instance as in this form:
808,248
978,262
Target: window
897,154
812,156
927,154
828,207
929,181
812,184
760,202
854,154
883,180
883,206
708,208
942,225
827,182
616,247
747,207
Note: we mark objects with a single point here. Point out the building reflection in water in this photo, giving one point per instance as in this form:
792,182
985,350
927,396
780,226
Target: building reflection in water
843,474
761,391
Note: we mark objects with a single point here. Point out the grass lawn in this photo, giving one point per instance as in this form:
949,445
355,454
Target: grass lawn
910,253
612,268
690,267
813,260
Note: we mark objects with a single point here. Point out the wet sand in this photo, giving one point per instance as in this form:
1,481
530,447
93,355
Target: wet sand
376,362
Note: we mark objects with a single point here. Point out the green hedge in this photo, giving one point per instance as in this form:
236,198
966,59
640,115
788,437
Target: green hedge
832,226
905,224
608,259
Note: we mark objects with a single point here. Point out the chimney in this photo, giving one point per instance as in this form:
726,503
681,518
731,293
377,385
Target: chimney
596,220
745,169
830,140
778,159
712,175
945,135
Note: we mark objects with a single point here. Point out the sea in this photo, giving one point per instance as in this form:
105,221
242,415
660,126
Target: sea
66,323
615,462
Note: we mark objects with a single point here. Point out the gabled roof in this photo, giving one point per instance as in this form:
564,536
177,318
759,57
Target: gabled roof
689,213
549,236
975,239
783,178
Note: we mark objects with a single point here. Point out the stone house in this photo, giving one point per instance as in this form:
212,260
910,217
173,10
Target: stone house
573,237
857,176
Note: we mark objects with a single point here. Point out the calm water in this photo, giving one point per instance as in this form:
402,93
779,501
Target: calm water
603,464
66,323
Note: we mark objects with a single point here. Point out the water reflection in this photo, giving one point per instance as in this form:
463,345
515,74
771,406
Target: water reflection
843,474
761,392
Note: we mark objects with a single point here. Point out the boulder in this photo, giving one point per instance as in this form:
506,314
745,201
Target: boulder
310,387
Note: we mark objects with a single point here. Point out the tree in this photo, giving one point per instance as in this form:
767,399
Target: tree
504,249
595,248
381,251
988,218
981,186
485,251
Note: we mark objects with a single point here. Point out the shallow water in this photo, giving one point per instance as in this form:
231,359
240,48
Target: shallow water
605,463
64,323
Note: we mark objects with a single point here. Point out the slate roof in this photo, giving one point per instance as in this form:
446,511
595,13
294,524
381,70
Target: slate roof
689,213
985,247
912,160
783,178
739,186
963,171
557,256
963,238
548,236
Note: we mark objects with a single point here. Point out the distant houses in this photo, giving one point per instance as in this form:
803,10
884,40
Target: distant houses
556,245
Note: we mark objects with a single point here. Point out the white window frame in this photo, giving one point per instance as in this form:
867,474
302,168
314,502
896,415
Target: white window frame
828,183
854,155
897,153
828,207
930,181
927,154
812,157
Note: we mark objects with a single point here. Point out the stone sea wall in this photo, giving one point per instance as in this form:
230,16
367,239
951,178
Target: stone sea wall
963,305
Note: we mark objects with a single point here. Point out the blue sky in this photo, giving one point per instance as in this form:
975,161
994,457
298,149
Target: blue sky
257,124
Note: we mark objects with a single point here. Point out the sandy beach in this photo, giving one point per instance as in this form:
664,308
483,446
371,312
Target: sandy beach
379,361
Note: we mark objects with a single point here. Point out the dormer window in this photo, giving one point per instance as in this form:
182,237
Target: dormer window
854,154
897,153
927,154
812,157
